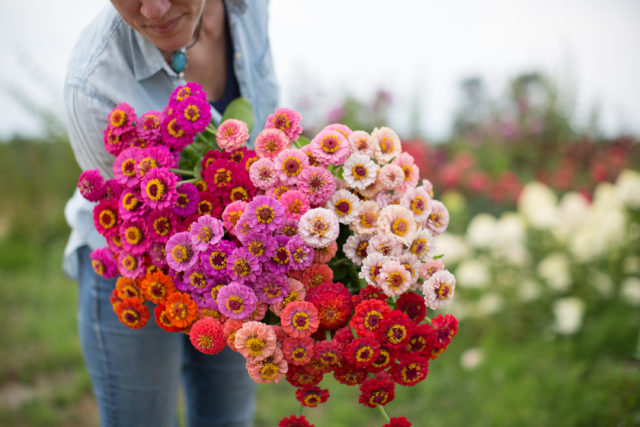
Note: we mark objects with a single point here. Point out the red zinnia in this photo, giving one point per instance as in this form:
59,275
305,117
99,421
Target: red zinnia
398,422
368,292
333,302
385,358
444,329
312,396
294,421
207,335
376,391
395,329
299,376
411,370
412,304
368,316
163,320
362,351
328,354
349,375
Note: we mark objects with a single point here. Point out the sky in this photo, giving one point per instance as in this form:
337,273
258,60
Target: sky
417,50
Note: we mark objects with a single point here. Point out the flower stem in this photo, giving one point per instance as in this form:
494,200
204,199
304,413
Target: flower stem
182,172
327,334
384,413
300,410
194,180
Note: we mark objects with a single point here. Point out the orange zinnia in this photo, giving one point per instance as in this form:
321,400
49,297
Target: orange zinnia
157,286
181,309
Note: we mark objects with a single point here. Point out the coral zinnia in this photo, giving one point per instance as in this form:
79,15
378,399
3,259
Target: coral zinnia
299,319
255,340
333,302
207,335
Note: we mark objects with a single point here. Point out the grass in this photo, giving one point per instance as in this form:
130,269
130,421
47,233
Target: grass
527,377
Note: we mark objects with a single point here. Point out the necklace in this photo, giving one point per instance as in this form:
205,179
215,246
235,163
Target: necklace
179,56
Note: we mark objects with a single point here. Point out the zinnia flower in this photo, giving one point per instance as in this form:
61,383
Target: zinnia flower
345,205
395,330
411,370
301,254
232,134
158,188
422,245
124,167
394,279
391,177
181,309
295,204
295,421
356,248
207,335
312,396
216,258
270,142
205,232
398,422
271,288
438,218
236,301
193,114
439,289
368,316
232,213
242,266
133,313
397,222
359,171
187,200
255,340
269,370
157,286
148,128
318,227
104,263
289,164
330,147
376,391
287,120
367,220
333,302
362,143
298,351
315,275
362,351
264,213
263,173
389,144
91,185
318,184
299,319
180,253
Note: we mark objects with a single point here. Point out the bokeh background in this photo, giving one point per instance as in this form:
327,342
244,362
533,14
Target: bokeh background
524,114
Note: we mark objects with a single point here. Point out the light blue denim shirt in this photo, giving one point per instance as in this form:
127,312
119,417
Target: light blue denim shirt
112,63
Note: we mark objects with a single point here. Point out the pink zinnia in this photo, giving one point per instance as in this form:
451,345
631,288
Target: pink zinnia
193,114
391,177
295,204
153,157
330,147
205,232
438,219
180,253
158,188
299,319
271,288
255,340
104,263
148,128
263,173
269,370
428,268
298,351
411,172
236,301
207,335
134,237
131,266
124,167
296,293
232,213
318,184
187,200
286,120
232,134
122,117
270,142
91,185
289,163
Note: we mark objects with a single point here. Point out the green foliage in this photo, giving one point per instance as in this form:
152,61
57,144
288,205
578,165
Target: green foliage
240,109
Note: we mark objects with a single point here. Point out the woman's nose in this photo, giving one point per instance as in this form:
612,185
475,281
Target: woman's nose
154,9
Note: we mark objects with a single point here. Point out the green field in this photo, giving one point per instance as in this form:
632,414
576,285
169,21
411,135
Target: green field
526,377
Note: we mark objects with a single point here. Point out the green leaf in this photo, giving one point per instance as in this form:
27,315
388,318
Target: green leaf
300,142
240,109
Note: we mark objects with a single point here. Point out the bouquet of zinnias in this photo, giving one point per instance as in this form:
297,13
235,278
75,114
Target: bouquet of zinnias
307,257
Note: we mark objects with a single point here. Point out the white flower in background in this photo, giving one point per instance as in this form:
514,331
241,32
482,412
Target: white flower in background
573,210
601,282
490,303
509,242
604,197
630,290
568,313
472,273
554,270
603,229
537,203
471,358
481,231
586,245
529,290
631,264
627,188
453,247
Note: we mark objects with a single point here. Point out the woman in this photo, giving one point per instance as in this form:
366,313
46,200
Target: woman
135,52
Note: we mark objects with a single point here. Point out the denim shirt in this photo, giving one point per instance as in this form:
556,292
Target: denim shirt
112,63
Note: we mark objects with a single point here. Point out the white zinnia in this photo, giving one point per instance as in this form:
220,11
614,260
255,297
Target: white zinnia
554,270
423,244
318,227
371,267
394,279
397,222
345,205
439,289
627,188
389,144
359,171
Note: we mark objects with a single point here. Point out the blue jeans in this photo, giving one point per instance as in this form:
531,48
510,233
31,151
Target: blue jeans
136,374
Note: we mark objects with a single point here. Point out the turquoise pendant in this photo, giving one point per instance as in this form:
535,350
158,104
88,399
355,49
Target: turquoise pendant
179,60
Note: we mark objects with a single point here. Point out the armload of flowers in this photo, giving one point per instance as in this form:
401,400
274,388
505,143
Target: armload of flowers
307,257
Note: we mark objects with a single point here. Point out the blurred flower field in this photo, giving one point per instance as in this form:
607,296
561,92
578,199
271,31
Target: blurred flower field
544,241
